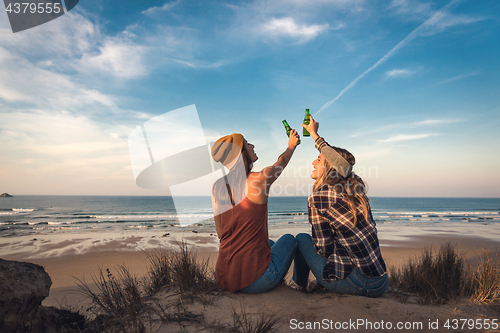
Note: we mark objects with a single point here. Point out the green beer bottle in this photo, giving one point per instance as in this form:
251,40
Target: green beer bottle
288,130
307,120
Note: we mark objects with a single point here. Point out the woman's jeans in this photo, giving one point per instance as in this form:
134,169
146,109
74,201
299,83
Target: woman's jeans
283,252
356,283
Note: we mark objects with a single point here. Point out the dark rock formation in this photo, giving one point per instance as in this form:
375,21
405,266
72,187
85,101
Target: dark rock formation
5,195
53,320
23,286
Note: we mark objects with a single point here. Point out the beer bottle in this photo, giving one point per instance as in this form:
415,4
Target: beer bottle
288,130
307,120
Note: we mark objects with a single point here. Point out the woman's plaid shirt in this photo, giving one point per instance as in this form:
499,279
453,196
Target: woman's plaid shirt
334,236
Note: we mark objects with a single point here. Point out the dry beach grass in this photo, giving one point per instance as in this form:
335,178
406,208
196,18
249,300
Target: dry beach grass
171,288
176,280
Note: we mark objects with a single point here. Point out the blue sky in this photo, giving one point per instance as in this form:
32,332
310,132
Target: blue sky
409,87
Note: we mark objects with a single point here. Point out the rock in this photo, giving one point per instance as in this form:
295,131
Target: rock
23,287
53,320
5,195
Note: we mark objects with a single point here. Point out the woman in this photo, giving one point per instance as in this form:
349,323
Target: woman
343,252
248,261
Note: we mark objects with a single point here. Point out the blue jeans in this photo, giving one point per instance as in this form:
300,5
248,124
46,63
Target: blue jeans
356,283
283,252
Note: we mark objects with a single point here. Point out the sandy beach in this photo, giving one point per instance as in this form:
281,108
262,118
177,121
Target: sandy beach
71,256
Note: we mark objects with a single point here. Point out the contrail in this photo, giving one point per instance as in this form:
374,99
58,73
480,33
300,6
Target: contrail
415,33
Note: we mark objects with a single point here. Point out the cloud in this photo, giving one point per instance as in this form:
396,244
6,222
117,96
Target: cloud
297,21
202,64
442,20
371,152
23,83
434,122
458,77
52,66
155,10
270,8
413,8
405,137
417,10
75,44
69,36
287,27
121,59
58,137
398,126
51,152
336,3
399,73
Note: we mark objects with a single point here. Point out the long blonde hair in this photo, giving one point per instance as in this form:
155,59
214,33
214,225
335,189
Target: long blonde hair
352,188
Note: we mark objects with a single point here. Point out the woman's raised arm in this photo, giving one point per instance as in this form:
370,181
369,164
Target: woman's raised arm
331,155
260,182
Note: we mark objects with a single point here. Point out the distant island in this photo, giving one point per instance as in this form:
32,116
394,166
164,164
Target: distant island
6,195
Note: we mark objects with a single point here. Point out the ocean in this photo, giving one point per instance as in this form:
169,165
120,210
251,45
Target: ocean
33,214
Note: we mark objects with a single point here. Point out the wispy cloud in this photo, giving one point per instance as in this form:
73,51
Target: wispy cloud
413,8
64,149
436,23
405,137
295,21
121,59
444,20
305,6
336,3
202,64
155,10
279,27
76,44
458,77
435,122
23,82
394,73
69,35
77,49
410,125
371,152
51,120
60,135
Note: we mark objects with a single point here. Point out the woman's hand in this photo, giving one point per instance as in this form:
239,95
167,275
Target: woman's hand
312,128
293,139
259,183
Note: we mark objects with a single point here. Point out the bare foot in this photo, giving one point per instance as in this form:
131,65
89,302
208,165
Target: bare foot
312,286
295,286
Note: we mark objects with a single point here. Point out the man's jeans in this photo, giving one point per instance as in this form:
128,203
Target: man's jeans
283,252
356,283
